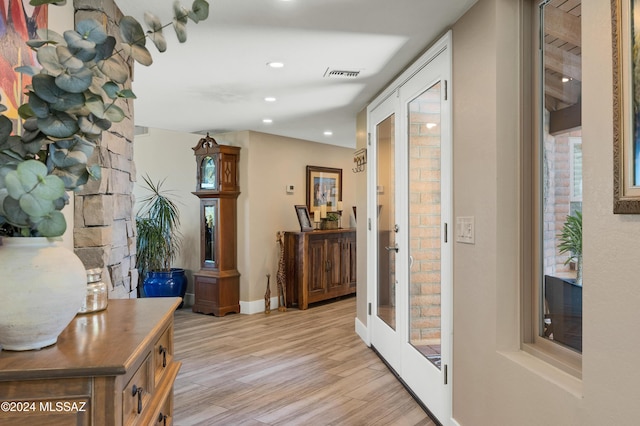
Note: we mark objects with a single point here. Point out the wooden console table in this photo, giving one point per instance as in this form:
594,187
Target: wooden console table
319,265
114,367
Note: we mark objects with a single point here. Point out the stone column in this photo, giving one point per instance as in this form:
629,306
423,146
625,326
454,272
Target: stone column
104,222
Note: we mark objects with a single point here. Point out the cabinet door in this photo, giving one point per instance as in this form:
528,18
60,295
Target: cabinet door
334,263
317,269
348,262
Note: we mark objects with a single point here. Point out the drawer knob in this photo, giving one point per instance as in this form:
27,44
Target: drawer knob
135,390
163,352
163,418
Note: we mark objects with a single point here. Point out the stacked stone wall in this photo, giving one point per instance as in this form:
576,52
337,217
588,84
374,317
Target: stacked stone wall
104,229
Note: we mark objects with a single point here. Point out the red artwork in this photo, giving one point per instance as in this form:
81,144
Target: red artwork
18,23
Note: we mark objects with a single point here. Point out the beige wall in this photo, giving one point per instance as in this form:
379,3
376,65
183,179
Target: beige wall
267,164
493,382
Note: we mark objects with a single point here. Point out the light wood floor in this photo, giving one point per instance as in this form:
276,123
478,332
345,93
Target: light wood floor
292,368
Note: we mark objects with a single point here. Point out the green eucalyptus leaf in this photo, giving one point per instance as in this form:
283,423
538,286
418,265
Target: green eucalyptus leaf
50,188
41,2
158,40
6,126
3,194
139,53
24,110
180,14
84,50
58,125
127,94
114,113
2,108
27,70
181,30
45,87
48,58
36,207
105,50
14,149
94,127
92,30
95,171
111,89
95,104
153,22
75,81
50,36
131,31
67,59
64,159
199,11
14,185
115,69
36,43
53,225
73,177
36,107
32,142
14,213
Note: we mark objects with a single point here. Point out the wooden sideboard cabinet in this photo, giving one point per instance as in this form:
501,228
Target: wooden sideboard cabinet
319,265
114,367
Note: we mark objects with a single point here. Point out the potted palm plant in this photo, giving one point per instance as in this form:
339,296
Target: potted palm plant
73,97
158,243
571,242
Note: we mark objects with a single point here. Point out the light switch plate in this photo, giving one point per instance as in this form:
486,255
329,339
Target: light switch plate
465,229
290,189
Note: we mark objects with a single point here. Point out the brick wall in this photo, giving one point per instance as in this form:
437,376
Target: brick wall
104,230
557,202
424,217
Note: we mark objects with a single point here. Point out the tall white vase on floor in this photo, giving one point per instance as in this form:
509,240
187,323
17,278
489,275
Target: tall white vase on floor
43,285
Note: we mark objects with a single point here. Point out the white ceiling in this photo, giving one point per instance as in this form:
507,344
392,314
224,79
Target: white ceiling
218,80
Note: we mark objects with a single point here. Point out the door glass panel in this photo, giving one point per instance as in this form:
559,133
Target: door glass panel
385,190
425,223
210,232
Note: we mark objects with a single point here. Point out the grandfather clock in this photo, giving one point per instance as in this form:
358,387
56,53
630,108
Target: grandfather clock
217,283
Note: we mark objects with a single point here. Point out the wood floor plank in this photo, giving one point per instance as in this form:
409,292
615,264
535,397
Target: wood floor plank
286,368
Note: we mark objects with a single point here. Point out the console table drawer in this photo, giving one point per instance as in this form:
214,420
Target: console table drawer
163,354
137,393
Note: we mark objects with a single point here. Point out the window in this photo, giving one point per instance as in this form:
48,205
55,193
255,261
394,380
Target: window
555,175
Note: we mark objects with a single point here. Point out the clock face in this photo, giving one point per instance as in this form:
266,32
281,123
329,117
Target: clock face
208,173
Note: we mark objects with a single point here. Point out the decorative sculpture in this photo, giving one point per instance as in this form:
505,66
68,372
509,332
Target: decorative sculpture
282,290
267,297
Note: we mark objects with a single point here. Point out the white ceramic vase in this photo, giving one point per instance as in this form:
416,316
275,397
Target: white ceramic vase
42,287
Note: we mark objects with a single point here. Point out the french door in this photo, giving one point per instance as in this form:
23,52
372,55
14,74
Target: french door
410,249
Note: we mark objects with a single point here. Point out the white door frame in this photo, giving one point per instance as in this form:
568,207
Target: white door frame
443,45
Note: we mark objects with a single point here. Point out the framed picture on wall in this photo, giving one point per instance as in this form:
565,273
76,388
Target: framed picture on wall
302,213
626,118
324,187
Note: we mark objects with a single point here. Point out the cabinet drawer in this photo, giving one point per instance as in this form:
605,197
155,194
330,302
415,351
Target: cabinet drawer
137,394
163,354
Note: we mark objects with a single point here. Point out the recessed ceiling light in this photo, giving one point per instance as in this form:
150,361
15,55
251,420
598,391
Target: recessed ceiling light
328,133
275,64
566,79
270,99
267,121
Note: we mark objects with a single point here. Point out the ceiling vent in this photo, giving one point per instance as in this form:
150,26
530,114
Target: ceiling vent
341,73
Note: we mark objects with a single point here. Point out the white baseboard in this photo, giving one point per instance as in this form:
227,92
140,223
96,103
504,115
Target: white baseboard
253,307
363,331
257,306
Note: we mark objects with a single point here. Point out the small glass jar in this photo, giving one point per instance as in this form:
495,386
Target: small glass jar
97,295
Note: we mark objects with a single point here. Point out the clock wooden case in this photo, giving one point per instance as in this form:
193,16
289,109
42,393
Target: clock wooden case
217,283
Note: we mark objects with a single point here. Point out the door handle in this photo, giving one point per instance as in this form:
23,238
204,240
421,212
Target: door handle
394,248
